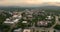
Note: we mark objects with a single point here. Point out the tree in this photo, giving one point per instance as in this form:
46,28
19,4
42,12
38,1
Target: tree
57,27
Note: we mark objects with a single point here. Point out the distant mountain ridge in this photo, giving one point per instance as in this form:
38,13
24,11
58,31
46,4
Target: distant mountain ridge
43,7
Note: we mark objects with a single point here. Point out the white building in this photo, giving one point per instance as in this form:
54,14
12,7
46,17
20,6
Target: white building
24,21
42,23
27,30
49,17
8,22
7,19
14,16
11,21
19,16
18,30
16,20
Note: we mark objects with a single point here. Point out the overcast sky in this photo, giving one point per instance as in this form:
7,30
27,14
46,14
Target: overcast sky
26,2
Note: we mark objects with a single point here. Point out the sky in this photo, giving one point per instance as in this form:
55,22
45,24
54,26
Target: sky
28,2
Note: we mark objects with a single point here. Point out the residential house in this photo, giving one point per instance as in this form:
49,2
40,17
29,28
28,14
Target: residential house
18,30
27,30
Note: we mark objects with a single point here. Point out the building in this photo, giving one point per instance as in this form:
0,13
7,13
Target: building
18,30
24,22
25,18
8,22
49,17
15,16
42,23
27,30
19,16
14,19
7,19
11,21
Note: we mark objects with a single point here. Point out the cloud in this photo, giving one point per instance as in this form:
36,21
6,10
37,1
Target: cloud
27,2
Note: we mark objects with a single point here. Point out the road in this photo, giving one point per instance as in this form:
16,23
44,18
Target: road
56,22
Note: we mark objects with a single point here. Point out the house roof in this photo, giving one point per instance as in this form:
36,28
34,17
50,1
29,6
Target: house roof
42,23
27,30
19,29
24,21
